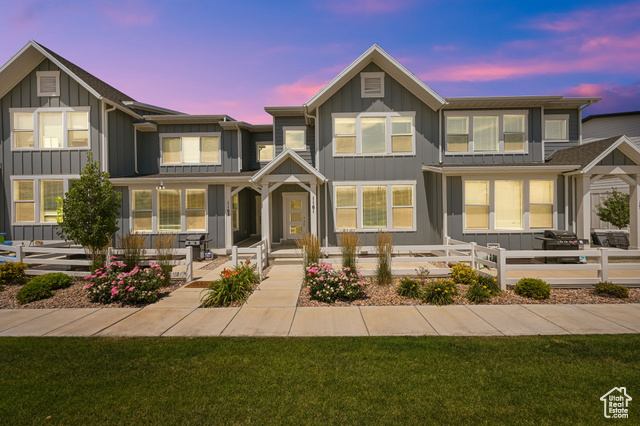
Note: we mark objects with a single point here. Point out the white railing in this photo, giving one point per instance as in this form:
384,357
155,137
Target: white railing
182,256
257,253
48,256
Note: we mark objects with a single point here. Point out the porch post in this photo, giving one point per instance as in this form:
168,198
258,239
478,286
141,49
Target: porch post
228,225
583,209
634,212
266,216
313,203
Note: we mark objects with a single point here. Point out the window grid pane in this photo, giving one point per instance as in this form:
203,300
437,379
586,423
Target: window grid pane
49,191
476,205
50,129
374,207
169,210
190,150
294,139
171,150
265,152
485,133
210,149
508,204
373,135
24,201
555,129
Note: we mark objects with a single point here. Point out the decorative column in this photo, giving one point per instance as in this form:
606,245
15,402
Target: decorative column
313,204
583,207
266,216
634,212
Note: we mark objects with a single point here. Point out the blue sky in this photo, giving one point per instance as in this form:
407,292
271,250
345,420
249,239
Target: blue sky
212,57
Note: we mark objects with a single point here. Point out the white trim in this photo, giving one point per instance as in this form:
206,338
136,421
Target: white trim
486,113
376,75
286,197
360,210
39,75
285,129
632,150
498,169
525,204
163,136
65,129
36,179
564,117
235,211
280,158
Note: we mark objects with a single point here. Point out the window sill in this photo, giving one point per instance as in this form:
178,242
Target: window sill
402,154
487,153
189,164
83,148
376,230
504,231
555,140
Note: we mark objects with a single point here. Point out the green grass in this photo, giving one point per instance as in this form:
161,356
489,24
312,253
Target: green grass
440,380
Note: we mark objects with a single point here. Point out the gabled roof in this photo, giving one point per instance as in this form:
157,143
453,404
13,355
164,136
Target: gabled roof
23,62
280,158
589,154
390,66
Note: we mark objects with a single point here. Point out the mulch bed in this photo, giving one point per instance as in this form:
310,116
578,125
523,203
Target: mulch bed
214,263
378,295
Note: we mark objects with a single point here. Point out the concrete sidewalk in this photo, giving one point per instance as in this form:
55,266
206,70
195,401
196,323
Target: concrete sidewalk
271,311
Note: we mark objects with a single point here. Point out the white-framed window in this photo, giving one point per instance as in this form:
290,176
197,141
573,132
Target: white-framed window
35,198
556,127
373,206
196,148
373,134
507,205
264,152
295,137
50,128
235,212
486,132
372,84
48,83
174,208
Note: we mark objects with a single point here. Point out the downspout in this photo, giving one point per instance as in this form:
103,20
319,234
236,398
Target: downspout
239,146
440,126
105,136
135,150
580,120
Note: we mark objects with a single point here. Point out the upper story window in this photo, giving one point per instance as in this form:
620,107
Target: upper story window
50,128
371,134
48,83
295,138
265,152
203,148
372,84
556,128
486,132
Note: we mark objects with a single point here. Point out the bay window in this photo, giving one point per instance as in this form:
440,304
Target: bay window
373,206
486,132
507,205
35,199
372,134
201,148
50,128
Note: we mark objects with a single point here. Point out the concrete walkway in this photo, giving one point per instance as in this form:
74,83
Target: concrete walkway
271,311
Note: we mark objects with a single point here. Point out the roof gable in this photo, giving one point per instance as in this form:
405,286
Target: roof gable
591,154
388,65
282,158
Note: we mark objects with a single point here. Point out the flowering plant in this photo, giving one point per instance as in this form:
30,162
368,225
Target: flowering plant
234,285
439,292
328,285
112,284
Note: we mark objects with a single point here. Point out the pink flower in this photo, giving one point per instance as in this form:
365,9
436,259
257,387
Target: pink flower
114,291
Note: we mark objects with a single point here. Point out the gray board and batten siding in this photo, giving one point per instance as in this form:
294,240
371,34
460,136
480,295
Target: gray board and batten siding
573,130
280,122
348,99
48,162
250,149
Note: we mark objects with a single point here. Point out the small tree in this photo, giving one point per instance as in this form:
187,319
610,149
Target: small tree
88,212
614,209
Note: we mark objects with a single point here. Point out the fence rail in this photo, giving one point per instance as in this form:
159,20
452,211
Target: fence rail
182,256
257,253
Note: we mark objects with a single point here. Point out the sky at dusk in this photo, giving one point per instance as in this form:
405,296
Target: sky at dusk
235,57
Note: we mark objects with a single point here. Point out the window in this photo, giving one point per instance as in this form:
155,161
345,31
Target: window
50,128
193,149
142,211
505,205
372,84
294,138
375,206
372,134
48,83
486,132
235,212
169,210
265,152
195,210
35,200
556,128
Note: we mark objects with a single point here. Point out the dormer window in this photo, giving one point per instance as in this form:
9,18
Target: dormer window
372,84
48,83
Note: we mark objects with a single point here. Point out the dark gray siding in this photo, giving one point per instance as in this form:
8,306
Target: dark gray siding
121,144
574,131
616,158
534,153
149,157
280,122
289,167
250,150
385,169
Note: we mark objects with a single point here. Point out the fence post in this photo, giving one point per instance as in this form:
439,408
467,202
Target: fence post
19,254
604,264
109,254
447,242
234,255
189,274
502,268
472,252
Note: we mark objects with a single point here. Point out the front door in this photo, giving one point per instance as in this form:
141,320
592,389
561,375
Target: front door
296,215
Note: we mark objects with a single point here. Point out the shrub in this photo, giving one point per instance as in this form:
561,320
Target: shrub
612,289
234,285
482,289
55,281
491,284
532,287
133,245
462,273
439,292
12,273
113,283
349,243
328,285
34,290
408,287
384,250
311,251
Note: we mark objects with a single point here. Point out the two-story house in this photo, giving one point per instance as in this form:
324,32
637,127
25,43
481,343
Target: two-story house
375,149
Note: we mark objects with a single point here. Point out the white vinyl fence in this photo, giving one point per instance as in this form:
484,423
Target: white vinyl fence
256,253
182,256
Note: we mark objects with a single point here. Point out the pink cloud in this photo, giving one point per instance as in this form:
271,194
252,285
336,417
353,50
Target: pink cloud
130,13
590,19
615,98
367,7
297,93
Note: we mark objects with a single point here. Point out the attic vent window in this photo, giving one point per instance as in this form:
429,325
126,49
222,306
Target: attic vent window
372,84
48,83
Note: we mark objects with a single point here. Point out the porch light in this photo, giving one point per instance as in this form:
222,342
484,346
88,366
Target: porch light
161,186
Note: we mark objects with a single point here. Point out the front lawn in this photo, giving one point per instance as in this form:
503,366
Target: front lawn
315,380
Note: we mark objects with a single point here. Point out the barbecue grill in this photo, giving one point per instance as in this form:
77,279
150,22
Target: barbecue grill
561,240
198,243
